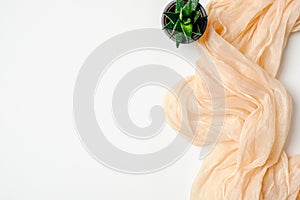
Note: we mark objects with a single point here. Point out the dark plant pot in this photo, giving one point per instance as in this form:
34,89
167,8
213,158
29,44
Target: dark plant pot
171,8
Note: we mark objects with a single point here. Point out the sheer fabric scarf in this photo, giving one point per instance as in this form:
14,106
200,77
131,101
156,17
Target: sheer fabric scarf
244,41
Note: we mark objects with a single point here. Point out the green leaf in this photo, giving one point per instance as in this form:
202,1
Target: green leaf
170,25
186,10
187,21
187,30
196,15
194,4
197,30
179,38
179,5
180,14
173,17
177,27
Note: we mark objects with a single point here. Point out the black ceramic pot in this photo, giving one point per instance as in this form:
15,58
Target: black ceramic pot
171,8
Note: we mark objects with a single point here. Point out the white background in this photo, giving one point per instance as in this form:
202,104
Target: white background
43,45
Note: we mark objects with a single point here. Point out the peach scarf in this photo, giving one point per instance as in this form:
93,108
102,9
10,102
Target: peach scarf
244,43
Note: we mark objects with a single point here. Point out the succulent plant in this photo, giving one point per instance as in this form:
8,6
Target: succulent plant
184,21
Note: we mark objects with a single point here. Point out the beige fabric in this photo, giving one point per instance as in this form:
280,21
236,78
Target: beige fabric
244,41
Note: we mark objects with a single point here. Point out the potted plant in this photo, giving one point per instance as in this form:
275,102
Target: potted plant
184,21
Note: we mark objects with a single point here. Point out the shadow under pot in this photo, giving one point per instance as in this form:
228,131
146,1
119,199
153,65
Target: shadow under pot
201,22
